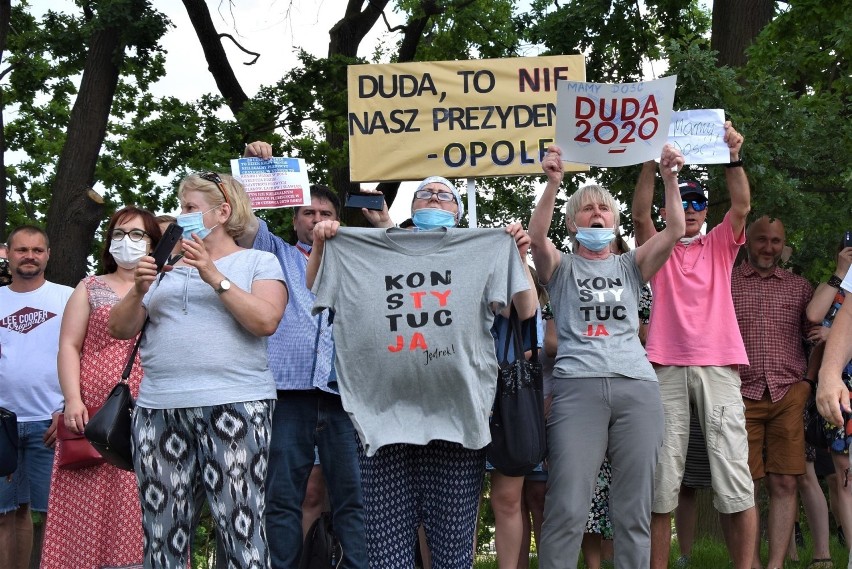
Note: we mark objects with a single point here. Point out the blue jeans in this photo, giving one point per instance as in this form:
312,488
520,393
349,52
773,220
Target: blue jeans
30,483
303,420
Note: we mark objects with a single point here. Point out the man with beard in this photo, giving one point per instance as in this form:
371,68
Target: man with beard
771,312
30,316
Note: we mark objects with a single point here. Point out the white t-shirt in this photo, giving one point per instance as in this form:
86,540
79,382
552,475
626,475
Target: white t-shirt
29,343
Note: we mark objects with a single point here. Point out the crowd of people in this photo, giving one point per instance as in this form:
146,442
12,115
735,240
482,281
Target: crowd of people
355,371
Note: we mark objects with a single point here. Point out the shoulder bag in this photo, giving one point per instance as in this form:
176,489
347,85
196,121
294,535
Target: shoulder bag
8,442
518,440
109,429
75,451
322,549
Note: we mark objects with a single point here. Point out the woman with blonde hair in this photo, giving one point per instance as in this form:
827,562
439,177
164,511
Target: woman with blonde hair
207,395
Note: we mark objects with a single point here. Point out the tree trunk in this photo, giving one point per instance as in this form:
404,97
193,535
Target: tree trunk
736,23
214,53
5,16
75,209
707,524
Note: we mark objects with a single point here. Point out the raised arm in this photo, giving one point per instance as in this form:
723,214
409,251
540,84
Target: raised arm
545,254
127,317
832,394
737,182
526,302
654,252
256,149
322,231
643,199
75,322
824,294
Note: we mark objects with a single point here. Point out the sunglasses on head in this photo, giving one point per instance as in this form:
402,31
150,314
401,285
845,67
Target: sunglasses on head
214,177
697,205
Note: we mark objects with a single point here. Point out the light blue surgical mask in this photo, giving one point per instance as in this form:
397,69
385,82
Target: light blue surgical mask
595,238
433,218
194,223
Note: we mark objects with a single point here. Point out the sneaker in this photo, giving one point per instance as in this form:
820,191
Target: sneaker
682,562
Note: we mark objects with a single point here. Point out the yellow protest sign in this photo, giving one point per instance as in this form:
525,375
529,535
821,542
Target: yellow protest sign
457,119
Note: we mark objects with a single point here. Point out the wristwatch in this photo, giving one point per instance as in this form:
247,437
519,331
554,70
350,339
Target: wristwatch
223,286
835,281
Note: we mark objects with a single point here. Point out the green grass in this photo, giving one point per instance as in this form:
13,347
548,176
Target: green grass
711,554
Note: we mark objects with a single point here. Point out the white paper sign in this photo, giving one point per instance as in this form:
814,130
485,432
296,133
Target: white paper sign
277,182
605,124
699,135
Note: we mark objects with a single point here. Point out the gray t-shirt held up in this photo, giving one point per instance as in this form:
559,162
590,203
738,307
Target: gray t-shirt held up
415,356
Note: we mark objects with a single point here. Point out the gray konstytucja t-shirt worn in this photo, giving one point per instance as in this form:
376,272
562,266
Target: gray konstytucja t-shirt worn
595,306
194,352
415,356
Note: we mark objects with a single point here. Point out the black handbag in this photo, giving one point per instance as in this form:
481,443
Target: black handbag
8,442
518,441
109,429
815,434
322,549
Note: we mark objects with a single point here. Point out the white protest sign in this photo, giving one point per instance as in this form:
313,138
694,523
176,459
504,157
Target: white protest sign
699,135
605,124
277,182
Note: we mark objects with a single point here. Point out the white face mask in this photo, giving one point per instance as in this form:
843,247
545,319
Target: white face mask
127,252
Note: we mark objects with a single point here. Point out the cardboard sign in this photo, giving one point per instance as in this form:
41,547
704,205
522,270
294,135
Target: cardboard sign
699,135
457,119
606,124
277,182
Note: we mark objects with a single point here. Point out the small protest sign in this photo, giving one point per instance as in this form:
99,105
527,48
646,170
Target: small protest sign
699,135
277,182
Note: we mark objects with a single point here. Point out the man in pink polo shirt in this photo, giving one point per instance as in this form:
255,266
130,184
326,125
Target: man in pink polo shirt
695,345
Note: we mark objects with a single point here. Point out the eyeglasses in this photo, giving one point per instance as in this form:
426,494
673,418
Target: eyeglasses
214,177
696,205
134,234
427,195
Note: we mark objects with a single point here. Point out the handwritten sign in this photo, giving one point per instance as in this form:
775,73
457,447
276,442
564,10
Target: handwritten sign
490,117
606,124
277,182
699,135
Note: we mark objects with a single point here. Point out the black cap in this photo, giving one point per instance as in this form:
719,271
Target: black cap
691,188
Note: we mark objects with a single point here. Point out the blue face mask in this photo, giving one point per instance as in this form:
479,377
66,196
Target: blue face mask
194,223
432,218
595,238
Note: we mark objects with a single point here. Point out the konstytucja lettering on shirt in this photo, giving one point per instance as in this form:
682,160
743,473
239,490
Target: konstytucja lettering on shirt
425,296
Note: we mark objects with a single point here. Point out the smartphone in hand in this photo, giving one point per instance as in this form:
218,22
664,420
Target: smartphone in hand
170,237
366,200
847,239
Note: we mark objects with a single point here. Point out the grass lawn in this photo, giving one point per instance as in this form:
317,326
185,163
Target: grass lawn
710,554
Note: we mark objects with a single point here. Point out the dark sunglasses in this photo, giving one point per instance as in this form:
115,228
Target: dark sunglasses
134,234
214,177
696,205
427,195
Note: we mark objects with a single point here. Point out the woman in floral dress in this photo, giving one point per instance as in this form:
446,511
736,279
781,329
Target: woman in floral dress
93,516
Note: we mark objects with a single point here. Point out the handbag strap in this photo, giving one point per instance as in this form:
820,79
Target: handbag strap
516,331
128,367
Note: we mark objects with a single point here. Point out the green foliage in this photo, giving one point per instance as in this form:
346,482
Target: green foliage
478,29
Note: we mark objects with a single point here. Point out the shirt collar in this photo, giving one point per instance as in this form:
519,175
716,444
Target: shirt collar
749,271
